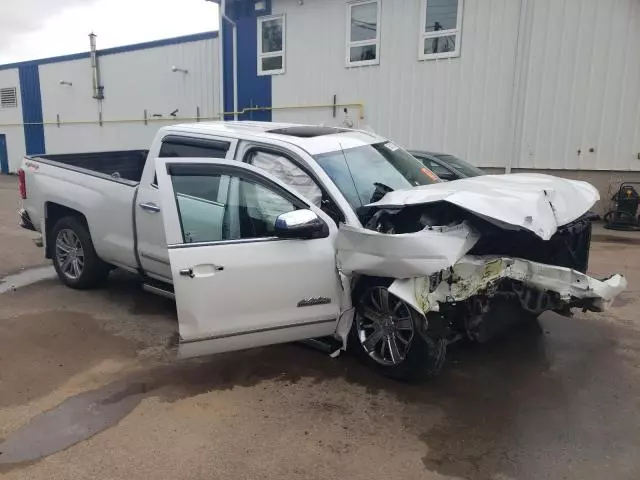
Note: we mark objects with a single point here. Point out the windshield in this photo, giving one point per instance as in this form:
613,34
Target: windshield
356,171
463,167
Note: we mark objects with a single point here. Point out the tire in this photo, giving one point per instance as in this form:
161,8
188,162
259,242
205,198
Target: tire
420,359
74,257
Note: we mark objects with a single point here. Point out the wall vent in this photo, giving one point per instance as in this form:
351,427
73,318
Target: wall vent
8,97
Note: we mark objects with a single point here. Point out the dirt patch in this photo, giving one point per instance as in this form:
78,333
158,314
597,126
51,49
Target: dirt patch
44,350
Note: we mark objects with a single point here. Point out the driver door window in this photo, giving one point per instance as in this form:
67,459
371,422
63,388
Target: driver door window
214,208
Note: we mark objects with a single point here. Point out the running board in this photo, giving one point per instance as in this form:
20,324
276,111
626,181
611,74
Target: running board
328,345
158,291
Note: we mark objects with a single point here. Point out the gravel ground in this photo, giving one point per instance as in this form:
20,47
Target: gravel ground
90,388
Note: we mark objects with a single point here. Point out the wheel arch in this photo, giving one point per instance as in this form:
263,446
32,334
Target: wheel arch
53,212
426,356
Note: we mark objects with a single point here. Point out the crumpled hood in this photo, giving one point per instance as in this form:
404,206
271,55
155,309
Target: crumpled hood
536,202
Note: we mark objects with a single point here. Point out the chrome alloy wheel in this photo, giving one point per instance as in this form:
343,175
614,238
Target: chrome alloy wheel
69,254
384,325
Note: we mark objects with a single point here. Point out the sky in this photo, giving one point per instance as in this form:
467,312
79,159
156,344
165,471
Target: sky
32,29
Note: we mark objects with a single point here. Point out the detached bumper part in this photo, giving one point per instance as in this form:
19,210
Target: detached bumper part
24,220
486,276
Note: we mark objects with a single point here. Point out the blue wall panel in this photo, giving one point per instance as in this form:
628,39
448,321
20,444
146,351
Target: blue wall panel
31,109
253,90
4,159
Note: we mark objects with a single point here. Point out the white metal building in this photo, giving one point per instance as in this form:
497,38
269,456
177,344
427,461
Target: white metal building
515,85
48,105
509,84
545,85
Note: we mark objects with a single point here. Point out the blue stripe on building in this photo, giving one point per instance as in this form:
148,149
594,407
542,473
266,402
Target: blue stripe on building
31,109
253,90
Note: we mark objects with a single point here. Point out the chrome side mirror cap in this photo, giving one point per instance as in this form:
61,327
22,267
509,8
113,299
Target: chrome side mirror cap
303,224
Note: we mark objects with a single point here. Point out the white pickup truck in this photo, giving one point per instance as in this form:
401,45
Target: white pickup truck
269,233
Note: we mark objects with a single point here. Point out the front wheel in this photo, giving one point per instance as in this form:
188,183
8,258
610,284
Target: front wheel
388,335
74,258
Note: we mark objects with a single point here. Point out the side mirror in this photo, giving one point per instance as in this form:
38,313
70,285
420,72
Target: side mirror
303,224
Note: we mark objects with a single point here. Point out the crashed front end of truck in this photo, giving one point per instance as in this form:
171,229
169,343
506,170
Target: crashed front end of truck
481,255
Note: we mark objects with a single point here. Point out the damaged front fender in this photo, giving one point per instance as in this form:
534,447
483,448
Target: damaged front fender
367,252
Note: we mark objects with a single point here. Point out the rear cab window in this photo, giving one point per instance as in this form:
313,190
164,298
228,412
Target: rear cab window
175,146
191,147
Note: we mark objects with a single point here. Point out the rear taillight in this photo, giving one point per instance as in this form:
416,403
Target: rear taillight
22,184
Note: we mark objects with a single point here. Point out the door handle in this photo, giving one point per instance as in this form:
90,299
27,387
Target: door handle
203,271
150,207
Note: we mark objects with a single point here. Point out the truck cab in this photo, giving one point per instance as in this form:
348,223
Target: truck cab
309,158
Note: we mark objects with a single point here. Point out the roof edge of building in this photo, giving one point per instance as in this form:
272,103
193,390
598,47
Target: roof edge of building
194,37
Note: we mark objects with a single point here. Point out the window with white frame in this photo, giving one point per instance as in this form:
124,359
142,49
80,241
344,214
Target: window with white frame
441,28
271,45
363,33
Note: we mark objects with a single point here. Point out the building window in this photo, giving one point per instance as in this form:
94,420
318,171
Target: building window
271,45
363,33
8,97
441,28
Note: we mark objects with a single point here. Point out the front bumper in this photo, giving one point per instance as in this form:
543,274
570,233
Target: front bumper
24,220
474,276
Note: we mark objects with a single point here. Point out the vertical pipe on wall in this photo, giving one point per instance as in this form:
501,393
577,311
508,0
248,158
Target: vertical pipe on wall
235,71
98,89
95,69
221,15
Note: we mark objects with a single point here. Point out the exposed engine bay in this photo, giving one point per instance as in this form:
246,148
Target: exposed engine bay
476,256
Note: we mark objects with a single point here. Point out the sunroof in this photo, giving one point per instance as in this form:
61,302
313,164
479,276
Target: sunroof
307,131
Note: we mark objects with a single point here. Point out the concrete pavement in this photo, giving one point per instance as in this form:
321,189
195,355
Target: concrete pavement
17,250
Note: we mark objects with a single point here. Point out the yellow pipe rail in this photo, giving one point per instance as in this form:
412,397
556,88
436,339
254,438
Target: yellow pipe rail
359,106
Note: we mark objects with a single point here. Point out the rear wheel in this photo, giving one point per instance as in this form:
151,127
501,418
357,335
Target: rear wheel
74,258
388,334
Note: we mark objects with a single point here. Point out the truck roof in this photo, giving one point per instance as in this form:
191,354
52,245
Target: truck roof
315,139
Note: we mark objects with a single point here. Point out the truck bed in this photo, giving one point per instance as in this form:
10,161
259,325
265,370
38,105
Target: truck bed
125,164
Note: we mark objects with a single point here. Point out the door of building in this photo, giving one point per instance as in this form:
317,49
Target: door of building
4,158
